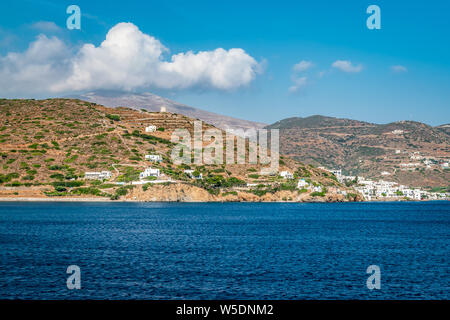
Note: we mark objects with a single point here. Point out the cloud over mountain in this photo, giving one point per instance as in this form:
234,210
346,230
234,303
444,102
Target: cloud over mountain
127,59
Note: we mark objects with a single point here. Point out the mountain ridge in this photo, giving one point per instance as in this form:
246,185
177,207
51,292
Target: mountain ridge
153,103
407,152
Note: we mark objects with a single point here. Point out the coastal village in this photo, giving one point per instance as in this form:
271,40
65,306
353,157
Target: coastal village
384,190
369,189
131,152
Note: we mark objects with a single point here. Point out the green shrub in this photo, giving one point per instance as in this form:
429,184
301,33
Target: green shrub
55,167
68,184
71,159
87,190
113,117
8,177
122,191
131,174
57,176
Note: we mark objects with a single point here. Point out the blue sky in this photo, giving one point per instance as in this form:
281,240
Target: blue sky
401,72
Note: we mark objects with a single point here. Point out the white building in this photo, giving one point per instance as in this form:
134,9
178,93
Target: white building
163,109
416,157
317,189
150,172
150,129
190,173
104,175
337,173
397,131
286,175
388,189
302,184
410,164
153,157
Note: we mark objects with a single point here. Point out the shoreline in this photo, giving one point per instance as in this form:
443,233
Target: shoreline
31,199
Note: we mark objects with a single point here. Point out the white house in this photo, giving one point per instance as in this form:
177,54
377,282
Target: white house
302,184
286,175
337,173
104,175
150,129
150,172
410,164
317,189
153,157
190,173
163,109
397,131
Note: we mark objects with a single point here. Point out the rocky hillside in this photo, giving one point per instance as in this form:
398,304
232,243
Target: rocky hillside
411,153
47,146
153,103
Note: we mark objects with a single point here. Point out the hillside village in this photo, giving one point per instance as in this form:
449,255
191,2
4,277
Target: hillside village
406,152
386,190
67,148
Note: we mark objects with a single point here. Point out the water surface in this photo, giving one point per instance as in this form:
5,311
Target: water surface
224,251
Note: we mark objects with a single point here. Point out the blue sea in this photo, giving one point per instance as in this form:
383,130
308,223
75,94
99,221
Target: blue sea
224,250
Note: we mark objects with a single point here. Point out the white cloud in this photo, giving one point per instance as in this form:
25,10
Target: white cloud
299,84
127,59
347,66
399,69
302,66
46,61
46,26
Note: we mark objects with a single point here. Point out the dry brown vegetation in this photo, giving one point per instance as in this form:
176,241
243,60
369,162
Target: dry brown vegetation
47,145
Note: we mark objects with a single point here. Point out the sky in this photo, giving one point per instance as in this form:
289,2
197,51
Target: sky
257,60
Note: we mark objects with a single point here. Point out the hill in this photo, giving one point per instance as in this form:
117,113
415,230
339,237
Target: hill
153,103
407,152
48,146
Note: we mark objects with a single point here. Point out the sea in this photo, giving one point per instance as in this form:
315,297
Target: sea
131,250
